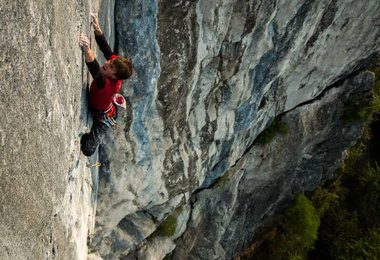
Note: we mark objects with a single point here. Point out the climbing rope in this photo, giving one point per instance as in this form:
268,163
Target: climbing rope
97,164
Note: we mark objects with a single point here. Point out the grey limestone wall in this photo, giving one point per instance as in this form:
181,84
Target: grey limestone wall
210,76
45,187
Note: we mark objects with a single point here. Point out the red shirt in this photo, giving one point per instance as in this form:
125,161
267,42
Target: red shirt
101,98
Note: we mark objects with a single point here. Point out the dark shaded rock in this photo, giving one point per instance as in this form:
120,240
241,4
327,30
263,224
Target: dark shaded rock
267,177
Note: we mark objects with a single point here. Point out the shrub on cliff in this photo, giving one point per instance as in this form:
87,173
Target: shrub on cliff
363,108
299,227
169,226
277,127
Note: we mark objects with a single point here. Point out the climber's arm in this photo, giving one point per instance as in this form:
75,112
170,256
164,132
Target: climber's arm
91,62
103,46
94,68
88,55
99,37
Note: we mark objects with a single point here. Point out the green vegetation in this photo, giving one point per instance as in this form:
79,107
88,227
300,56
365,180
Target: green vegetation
168,227
222,180
350,225
299,231
322,198
277,127
356,108
376,69
363,108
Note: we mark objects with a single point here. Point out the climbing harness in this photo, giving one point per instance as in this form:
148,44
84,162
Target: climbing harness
118,101
109,121
96,164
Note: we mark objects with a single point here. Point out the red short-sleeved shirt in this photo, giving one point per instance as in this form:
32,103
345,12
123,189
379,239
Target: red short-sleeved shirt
101,99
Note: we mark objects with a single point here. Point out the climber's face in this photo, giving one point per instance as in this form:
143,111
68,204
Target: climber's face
108,70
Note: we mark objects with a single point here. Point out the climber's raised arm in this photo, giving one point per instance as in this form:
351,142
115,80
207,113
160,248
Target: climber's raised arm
99,37
91,62
84,43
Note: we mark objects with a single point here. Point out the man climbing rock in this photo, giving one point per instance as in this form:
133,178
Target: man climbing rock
104,88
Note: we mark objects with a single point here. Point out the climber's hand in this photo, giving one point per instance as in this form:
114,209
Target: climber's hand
95,24
84,42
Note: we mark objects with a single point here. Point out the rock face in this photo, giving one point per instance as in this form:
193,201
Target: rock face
45,187
210,76
183,174
268,176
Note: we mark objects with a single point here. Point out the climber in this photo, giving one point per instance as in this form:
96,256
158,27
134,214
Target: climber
104,88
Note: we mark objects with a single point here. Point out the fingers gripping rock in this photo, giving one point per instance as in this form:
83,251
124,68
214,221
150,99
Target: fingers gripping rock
84,42
95,22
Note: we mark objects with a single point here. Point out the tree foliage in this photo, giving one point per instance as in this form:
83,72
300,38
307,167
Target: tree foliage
350,226
299,231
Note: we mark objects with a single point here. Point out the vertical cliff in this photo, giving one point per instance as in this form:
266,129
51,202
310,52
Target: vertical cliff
184,173
210,77
45,187
268,176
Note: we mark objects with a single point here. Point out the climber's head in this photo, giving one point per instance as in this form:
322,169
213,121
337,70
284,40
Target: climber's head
118,68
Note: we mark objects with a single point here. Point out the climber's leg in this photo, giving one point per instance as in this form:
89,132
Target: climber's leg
90,141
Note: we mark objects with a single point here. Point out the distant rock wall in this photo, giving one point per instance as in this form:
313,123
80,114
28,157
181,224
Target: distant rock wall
225,217
210,76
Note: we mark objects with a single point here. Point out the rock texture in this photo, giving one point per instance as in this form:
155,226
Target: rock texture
268,176
45,188
210,76
182,176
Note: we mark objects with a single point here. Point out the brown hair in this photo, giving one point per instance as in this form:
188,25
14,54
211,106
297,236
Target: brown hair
124,67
